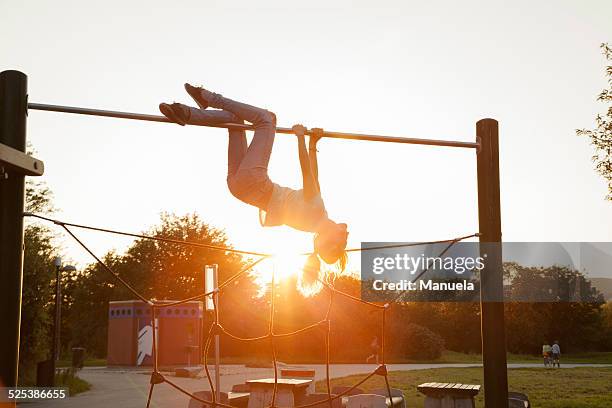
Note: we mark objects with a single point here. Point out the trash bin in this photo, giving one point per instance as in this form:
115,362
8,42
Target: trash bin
45,374
78,357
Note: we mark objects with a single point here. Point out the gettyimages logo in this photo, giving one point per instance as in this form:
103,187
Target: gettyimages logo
412,264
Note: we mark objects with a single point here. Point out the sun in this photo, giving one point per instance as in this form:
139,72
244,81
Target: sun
286,265
281,266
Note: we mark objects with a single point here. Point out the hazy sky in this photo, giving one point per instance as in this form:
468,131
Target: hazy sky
421,69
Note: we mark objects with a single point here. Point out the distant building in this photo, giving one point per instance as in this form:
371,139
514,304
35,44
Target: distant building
130,333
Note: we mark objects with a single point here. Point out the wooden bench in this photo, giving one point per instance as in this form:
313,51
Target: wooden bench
288,392
449,395
300,374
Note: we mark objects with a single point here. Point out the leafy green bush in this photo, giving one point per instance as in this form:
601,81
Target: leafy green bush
416,342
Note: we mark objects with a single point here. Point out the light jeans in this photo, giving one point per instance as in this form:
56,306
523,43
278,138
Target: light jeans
247,167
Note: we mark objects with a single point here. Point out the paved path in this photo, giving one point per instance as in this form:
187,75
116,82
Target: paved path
128,388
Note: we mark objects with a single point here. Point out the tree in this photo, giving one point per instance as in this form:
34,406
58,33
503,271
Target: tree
157,270
37,293
542,297
601,136
607,325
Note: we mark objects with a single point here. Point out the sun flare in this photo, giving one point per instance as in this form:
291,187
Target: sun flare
283,265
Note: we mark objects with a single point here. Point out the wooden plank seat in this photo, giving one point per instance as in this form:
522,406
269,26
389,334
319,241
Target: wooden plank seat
449,395
300,373
287,393
455,389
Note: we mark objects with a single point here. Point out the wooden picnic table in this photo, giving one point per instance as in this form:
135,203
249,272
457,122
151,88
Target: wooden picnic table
289,390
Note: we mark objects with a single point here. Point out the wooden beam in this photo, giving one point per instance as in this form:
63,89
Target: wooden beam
491,277
20,162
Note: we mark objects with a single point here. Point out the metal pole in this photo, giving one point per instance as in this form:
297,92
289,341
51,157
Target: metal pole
211,282
282,130
57,318
54,345
491,277
217,342
217,366
13,109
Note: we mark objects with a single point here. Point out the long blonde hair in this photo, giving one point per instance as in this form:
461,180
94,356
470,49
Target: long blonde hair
310,280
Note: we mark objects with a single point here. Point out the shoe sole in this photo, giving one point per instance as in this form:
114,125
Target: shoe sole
196,96
167,111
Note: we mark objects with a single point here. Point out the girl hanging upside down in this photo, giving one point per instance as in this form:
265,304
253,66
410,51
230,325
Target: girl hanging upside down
247,171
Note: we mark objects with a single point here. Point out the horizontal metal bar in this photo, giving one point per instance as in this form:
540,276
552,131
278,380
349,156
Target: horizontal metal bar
20,162
333,135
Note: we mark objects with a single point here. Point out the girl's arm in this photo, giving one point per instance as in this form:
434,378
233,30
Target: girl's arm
315,135
308,181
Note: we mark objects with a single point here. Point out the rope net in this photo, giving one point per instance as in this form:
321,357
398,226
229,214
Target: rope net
271,335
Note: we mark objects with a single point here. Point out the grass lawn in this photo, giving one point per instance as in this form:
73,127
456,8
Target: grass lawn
585,387
577,358
447,357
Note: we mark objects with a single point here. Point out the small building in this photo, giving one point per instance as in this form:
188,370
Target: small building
130,334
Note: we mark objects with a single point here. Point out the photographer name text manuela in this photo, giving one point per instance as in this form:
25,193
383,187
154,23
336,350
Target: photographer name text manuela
422,285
